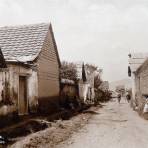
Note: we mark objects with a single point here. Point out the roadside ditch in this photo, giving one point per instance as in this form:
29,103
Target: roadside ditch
62,124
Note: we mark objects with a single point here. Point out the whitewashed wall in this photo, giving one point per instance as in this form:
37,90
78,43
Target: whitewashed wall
33,90
11,76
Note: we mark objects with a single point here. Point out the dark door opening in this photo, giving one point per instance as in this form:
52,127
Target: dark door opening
23,102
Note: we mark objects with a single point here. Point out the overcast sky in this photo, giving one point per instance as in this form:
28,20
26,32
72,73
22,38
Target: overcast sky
101,32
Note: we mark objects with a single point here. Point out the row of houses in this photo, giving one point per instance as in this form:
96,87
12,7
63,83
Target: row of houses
138,71
30,71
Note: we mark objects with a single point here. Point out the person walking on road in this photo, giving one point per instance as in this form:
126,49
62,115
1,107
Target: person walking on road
128,97
119,97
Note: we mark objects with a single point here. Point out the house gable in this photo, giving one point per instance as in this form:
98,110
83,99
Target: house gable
54,44
136,60
48,67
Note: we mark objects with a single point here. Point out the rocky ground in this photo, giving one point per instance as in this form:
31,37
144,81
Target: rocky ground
57,131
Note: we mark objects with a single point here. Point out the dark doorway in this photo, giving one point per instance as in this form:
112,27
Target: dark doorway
23,102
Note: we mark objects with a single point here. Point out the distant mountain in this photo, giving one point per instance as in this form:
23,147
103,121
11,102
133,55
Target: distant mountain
126,82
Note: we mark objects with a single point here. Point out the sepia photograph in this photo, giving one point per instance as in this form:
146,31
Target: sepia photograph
73,74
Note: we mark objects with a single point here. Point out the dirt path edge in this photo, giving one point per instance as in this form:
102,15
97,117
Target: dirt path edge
58,132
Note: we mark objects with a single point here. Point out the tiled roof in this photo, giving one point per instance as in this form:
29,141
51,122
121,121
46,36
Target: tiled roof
143,65
136,60
22,43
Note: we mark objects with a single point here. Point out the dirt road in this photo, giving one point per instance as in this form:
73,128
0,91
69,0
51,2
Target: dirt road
114,126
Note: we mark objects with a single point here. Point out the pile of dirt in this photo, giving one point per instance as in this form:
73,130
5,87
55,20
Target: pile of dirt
12,134
58,131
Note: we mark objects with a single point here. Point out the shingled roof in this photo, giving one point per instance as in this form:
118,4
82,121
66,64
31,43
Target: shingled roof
23,43
136,60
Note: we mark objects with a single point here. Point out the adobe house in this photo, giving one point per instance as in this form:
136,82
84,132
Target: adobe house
29,68
135,61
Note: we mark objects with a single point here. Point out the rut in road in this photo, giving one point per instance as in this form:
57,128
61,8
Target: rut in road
115,126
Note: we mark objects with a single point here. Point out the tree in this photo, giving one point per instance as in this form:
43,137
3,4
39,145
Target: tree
91,68
68,71
97,81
